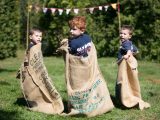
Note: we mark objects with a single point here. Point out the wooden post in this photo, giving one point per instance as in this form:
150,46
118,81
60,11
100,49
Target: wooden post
119,19
28,22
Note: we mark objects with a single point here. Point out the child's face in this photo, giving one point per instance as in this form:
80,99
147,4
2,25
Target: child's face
75,31
36,37
125,34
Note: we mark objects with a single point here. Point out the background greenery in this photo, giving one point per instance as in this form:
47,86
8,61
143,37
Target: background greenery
144,15
13,106
102,26
9,22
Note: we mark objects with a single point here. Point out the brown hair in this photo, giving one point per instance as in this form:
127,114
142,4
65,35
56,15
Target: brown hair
31,32
79,22
128,27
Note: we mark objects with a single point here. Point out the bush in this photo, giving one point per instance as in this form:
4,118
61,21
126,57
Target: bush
9,35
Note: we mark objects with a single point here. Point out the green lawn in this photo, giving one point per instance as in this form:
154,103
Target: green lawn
12,104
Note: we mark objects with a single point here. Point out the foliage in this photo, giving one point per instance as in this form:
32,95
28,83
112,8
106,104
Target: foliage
57,25
9,34
144,15
103,26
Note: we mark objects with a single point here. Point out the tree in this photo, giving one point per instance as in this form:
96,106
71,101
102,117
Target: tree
57,25
103,26
144,16
9,33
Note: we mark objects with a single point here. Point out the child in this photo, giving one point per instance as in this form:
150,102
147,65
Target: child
80,43
87,91
126,48
35,36
37,86
127,85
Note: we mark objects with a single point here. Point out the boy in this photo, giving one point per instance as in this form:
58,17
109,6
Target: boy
126,48
87,90
127,84
37,86
80,43
35,36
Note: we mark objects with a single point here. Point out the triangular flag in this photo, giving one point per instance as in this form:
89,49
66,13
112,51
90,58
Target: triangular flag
60,11
45,10
53,10
91,10
67,11
106,8
76,11
100,7
114,6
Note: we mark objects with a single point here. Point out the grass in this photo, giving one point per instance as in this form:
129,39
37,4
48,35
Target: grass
12,103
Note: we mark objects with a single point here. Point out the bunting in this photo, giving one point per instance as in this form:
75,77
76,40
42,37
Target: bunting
106,8
91,10
114,6
67,11
52,10
76,11
60,11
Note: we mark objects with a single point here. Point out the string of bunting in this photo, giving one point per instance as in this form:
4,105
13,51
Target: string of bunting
75,10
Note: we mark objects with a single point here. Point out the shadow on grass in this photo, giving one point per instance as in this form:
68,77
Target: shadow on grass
7,70
79,116
4,83
63,91
21,102
7,115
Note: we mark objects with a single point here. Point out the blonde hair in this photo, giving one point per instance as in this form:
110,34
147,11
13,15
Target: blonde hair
79,22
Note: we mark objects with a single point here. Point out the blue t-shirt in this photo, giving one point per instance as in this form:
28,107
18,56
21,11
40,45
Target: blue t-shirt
125,46
80,46
30,45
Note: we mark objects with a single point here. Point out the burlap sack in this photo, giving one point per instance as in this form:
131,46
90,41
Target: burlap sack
127,86
87,90
38,90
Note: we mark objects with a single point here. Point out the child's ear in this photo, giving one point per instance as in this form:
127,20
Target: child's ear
82,31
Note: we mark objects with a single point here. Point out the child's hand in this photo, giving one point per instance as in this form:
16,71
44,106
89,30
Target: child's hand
126,57
129,53
63,46
64,41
